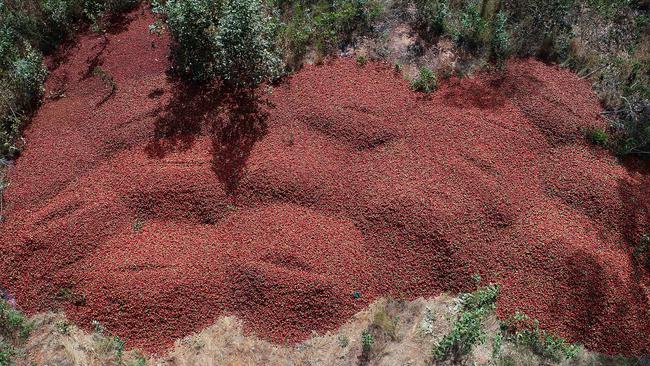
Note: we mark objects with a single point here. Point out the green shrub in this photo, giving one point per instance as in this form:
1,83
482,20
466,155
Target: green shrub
598,136
467,329
193,25
500,43
229,39
426,81
322,24
473,27
336,21
432,16
7,352
21,84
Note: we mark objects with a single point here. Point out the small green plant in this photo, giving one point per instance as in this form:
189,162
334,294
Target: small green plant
598,136
138,225
362,60
496,345
398,67
62,327
156,27
119,345
643,249
367,340
14,326
343,340
524,331
467,329
426,81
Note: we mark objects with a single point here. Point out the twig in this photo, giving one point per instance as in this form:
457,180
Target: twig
594,71
2,196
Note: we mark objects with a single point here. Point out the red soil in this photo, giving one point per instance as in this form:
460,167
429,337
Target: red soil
339,180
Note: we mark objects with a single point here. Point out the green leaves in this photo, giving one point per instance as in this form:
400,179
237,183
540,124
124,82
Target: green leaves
244,52
524,331
467,329
426,81
230,40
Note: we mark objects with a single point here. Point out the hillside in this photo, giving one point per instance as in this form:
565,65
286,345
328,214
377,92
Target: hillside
313,183
153,208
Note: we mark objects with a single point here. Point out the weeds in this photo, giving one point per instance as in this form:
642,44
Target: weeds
343,340
642,250
362,60
367,340
63,327
14,326
138,225
467,329
524,331
598,136
426,81
14,330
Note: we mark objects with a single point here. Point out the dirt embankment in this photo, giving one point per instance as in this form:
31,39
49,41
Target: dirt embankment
155,208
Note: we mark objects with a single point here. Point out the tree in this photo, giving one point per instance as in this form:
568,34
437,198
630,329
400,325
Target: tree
245,54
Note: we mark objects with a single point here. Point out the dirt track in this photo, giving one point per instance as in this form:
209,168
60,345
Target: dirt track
158,208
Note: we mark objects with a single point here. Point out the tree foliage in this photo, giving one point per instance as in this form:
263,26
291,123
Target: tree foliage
230,40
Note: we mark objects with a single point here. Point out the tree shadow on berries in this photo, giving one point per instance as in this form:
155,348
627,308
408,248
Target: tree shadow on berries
234,135
234,120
